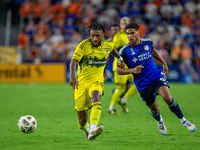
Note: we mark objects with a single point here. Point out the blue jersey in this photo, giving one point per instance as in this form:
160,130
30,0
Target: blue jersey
141,55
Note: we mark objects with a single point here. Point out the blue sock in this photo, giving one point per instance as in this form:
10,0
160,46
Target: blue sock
174,107
156,116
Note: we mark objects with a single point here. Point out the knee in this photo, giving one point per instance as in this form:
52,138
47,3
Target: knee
95,97
155,110
167,98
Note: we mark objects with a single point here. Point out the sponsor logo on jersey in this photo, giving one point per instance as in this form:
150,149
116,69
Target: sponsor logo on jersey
134,60
94,62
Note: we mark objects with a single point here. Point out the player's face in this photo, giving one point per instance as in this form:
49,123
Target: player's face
123,24
114,30
96,37
133,36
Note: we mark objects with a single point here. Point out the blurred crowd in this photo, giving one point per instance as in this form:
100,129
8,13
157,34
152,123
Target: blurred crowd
53,28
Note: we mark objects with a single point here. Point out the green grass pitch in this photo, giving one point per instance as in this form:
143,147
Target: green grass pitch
53,108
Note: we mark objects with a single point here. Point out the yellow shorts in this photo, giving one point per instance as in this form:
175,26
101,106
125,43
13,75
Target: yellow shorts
122,79
82,95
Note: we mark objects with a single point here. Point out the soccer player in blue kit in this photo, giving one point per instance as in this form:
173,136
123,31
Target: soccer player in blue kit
150,81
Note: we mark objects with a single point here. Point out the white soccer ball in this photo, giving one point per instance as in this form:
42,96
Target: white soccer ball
27,124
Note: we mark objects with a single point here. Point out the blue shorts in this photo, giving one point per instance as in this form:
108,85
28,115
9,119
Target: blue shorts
149,94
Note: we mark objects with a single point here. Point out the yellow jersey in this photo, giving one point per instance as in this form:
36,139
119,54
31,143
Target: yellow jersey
92,60
119,40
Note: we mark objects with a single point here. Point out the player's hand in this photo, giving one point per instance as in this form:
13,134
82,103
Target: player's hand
73,82
137,69
165,70
121,64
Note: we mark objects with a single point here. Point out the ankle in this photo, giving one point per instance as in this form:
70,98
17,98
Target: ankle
92,126
182,120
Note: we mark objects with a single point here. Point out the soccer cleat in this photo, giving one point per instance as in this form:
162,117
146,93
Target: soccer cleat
95,132
113,112
162,128
86,133
123,105
189,126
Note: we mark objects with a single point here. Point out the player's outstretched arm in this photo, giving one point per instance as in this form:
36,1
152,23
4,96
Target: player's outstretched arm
159,58
73,81
136,70
115,53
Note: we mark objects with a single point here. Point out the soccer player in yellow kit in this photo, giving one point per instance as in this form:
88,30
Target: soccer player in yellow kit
119,40
90,56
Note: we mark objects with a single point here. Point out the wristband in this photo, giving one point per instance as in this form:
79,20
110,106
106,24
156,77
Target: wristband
120,58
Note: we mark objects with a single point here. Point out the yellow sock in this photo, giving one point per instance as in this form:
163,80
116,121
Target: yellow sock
116,96
131,92
84,127
95,113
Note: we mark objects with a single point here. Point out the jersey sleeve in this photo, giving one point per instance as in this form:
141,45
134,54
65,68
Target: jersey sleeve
79,52
110,46
151,43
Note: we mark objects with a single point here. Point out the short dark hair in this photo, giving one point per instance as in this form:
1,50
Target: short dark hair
132,25
115,25
95,26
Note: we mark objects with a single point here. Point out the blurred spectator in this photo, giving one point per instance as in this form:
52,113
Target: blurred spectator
135,9
43,27
86,17
190,6
187,19
177,11
155,37
60,50
57,38
150,9
37,12
103,18
143,30
163,53
189,74
22,46
176,52
76,39
166,10
39,38
34,51
166,40
47,51
25,10
30,29
123,12
58,7
111,12
74,7
186,52
69,29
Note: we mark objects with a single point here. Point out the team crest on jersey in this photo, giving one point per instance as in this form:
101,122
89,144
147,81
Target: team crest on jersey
106,50
146,47
132,51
